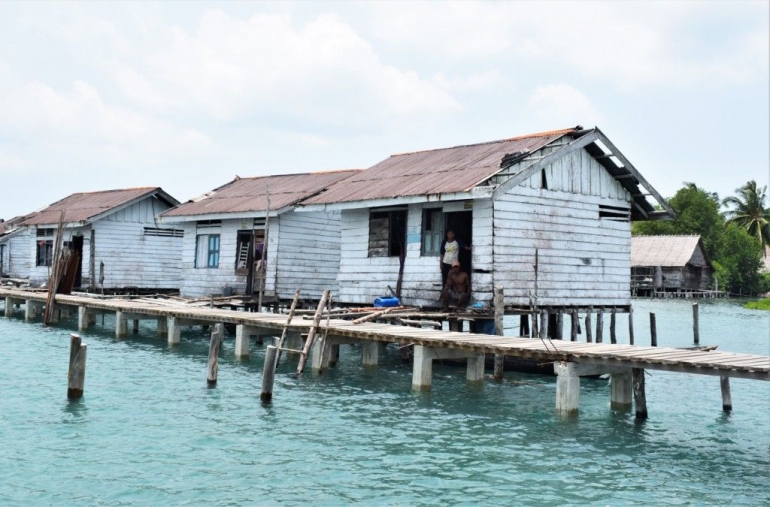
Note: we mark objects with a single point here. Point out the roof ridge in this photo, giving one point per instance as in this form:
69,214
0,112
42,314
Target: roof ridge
516,138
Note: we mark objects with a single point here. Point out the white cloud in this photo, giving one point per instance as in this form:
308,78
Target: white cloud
477,81
560,105
320,70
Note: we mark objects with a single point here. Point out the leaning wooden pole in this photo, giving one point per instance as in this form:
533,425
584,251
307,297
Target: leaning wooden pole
286,326
322,347
76,376
312,332
53,279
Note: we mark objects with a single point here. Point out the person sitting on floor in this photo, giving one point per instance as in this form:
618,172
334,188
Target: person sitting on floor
457,291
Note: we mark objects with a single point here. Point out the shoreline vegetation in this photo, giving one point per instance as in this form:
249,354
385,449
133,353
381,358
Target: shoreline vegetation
761,304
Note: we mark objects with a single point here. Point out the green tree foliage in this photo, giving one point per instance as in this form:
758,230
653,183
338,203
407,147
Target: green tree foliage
738,260
697,213
748,211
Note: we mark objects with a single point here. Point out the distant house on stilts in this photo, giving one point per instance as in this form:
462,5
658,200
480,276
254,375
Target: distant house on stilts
661,264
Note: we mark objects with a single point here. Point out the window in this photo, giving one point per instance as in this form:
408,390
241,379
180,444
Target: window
44,256
432,231
387,233
163,233
207,251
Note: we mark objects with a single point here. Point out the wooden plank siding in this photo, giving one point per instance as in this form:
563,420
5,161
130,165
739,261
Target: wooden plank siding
308,254
583,259
16,262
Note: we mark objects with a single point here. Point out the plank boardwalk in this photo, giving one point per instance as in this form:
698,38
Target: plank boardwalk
725,364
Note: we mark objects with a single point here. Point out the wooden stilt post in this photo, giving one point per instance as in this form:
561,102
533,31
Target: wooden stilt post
589,339
524,325
613,336
76,376
217,336
573,317
544,324
559,326
136,326
695,332
499,315
631,325
653,331
640,398
599,327
727,401
268,374
162,326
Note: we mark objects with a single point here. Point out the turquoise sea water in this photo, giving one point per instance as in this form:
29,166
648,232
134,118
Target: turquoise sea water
149,431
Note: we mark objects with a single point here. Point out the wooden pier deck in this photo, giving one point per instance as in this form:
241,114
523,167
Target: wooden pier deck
572,359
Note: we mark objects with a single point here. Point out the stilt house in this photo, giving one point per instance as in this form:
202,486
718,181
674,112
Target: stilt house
12,263
669,264
114,233
227,228
547,216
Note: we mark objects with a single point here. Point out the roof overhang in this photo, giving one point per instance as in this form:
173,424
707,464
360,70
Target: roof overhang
165,219
622,170
474,193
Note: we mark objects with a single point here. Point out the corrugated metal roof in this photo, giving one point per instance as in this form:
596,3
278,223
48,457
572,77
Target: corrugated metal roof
250,194
83,206
445,170
671,251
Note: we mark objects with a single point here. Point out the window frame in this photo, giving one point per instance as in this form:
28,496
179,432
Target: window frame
391,243
436,236
212,254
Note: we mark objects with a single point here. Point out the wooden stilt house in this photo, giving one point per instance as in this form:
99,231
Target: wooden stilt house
547,216
669,264
226,230
115,234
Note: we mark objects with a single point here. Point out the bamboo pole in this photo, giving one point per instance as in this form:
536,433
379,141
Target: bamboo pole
311,333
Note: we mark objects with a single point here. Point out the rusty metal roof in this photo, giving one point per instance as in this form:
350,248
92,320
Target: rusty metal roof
84,206
666,251
250,194
445,170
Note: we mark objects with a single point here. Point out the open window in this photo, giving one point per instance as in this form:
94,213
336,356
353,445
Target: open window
432,231
207,251
387,233
44,255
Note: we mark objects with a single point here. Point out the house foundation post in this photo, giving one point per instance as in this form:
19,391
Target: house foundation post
242,336
621,389
370,353
567,388
475,371
84,320
163,326
422,370
121,325
174,330
9,307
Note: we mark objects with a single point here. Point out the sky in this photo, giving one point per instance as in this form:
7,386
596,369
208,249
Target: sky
187,95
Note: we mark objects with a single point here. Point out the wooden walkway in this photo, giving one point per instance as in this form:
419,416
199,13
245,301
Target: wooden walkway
654,358
571,359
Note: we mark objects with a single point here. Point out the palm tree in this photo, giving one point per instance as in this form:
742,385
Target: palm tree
749,211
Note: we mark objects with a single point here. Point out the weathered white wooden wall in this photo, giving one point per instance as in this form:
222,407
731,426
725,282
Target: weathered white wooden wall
203,281
362,278
131,259
16,262
583,259
308,254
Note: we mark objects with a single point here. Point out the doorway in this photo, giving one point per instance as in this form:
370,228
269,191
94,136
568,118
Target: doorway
461,222
77,246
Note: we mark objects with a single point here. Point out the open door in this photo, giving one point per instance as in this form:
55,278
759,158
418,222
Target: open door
77,246
461,222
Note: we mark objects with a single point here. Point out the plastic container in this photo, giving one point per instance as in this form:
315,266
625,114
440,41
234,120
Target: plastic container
387,301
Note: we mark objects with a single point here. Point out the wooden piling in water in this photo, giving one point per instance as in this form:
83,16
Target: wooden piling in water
695,332
76,376
589,339
640,398
268,374
599,327
499,315
213,366
631,325
727,401
653,331
613,336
